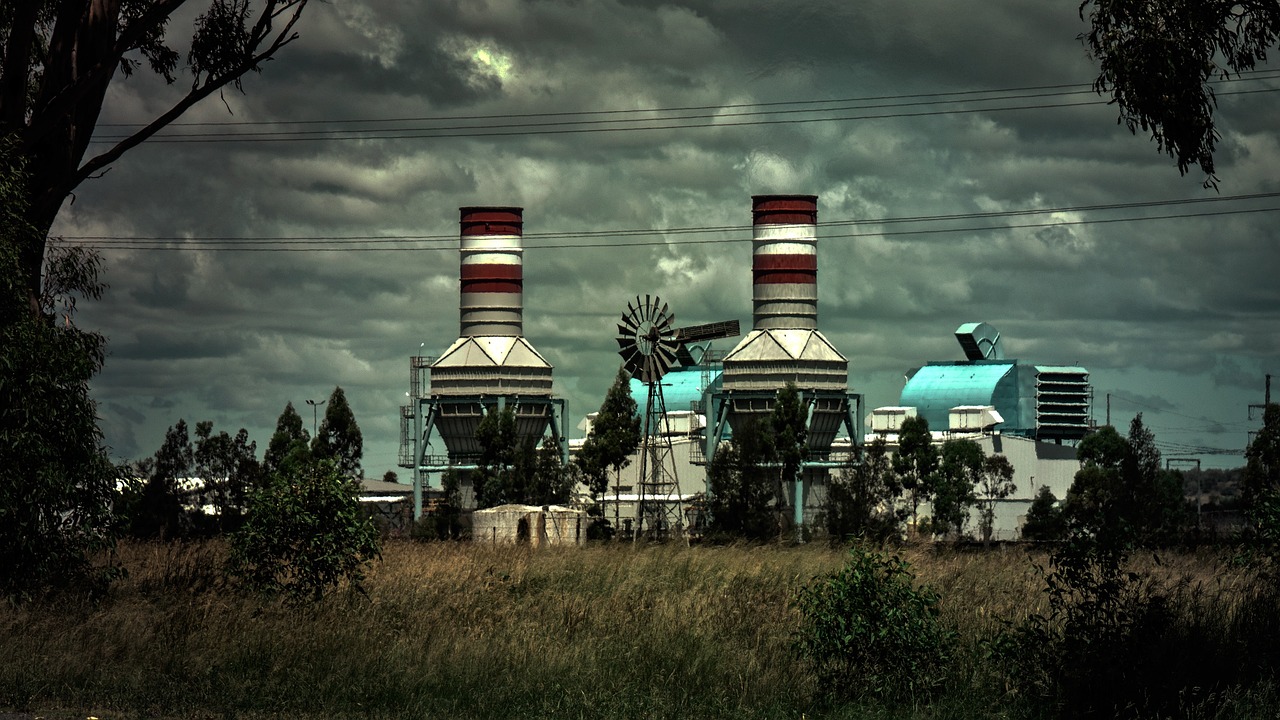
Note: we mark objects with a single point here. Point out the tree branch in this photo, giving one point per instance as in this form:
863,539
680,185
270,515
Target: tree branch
59,101
210,86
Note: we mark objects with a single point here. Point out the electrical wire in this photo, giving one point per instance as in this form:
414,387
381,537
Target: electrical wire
410,243
1074,88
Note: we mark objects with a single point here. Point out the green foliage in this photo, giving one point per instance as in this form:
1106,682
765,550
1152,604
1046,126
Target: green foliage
862,501
1262,457
1262,478
1045,520
868,630
1119,643
159,510
511,470
996,484
229,468
787,424
743,485
916,464
1157,57
289,443
958,474
443,519
57,485
339,439
754,471
615,435
1121,496
303,535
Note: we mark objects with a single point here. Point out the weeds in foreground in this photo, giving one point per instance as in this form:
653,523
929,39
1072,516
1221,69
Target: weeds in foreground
469,631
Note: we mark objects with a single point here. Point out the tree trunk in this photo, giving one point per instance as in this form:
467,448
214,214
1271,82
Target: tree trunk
83,40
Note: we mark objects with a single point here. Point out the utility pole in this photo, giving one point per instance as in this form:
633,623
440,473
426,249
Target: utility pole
315,415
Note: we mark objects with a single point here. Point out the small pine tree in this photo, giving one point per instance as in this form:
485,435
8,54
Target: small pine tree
1044,519
289,444
339,438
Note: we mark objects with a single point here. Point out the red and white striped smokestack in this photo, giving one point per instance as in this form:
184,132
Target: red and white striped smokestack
492,298
785,262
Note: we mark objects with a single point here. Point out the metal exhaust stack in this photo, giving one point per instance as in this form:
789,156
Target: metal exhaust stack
492,273
785,345
785,262
491,367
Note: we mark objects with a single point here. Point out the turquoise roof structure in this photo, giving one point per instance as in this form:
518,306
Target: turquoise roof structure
1041,401
937,387
681,387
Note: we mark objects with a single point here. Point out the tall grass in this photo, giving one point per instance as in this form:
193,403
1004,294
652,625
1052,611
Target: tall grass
473,631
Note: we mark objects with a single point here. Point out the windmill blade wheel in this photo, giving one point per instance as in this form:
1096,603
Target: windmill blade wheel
646,340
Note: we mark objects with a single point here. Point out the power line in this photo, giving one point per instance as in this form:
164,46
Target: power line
680,230
1076,88
312,245
597,126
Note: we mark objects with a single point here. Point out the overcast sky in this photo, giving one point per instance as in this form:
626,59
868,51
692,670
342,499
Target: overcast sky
1177,318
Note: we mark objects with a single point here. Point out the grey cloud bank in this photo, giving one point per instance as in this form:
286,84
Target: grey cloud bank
1181,316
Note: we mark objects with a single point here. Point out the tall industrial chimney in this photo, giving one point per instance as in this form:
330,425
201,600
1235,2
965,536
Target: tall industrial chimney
492,297
785,261
491,365
784,344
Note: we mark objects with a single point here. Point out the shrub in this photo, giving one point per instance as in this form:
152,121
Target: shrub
304,534
868,630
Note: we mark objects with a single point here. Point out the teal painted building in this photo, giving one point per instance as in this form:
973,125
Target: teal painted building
1047,402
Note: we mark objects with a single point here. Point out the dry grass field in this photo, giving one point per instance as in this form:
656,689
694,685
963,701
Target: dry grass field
472,631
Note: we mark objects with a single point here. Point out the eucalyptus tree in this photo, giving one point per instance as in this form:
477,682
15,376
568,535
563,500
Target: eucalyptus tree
62,56
995,484
915,463
1157,58
615,435
959,470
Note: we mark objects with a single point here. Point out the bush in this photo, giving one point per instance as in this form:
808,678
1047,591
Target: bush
304,534
868,630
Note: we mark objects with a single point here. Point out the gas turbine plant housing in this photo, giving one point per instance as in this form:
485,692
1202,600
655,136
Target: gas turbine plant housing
785,344
490,367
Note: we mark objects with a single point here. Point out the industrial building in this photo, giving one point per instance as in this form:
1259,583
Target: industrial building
1045,402
785,345
489,368
1032,414
1023,411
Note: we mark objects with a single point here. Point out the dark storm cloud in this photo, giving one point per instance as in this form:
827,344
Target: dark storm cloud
1178,309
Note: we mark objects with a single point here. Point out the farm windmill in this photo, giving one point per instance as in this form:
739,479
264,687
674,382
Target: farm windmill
650,346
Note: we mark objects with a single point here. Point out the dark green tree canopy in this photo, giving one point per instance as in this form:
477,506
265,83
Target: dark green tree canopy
788,424
290,440
615,434
339,438
742,484
229,468
1157,57
958,474
57,484
1262,457
996,484
862,501
1044,518
916,463
513,469
1121,497
304,534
